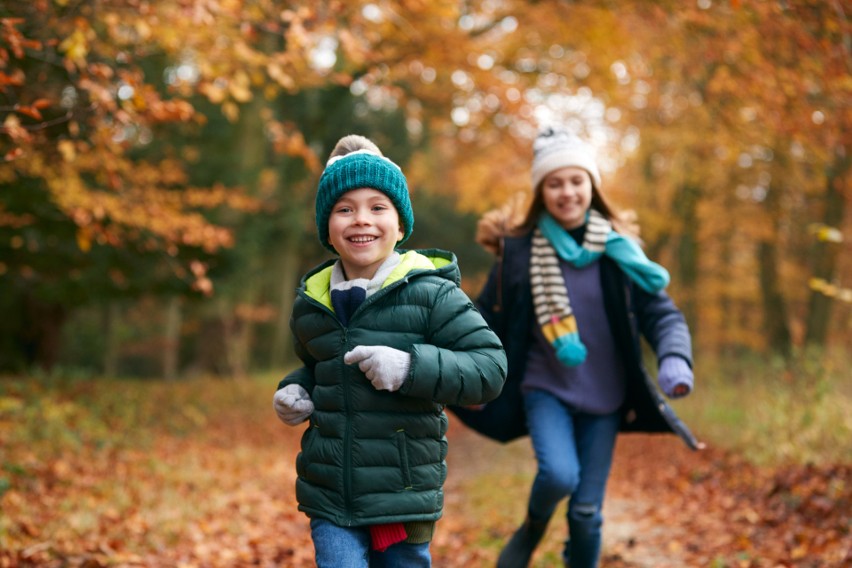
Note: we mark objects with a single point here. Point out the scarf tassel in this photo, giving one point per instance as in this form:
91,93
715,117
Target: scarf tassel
563,335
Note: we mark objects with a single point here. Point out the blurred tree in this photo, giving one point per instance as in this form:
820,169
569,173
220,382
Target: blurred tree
127,126
93,69
81,217
741,111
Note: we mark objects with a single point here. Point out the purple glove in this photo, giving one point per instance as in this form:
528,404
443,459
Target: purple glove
675,376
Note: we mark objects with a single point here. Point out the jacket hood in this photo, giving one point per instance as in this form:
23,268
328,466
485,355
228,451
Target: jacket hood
316,283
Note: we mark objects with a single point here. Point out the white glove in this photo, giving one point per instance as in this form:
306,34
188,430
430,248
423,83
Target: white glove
292,404
386,367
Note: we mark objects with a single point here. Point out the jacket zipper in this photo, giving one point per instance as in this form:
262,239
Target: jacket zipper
347,434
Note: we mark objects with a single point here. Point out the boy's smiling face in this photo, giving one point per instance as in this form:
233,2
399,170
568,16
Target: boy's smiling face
364,228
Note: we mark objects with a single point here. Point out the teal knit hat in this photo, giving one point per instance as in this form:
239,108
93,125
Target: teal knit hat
356,170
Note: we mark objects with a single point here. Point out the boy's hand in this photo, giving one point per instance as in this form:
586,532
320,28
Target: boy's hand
292,404
675,377
386,367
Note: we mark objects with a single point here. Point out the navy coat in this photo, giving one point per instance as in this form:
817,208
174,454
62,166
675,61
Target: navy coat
506,304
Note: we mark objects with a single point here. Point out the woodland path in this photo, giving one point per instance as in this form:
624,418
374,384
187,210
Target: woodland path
668,506
226,499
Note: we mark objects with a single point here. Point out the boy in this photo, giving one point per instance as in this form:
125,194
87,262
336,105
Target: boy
387,339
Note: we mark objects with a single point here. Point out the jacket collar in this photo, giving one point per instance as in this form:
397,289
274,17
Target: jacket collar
317,283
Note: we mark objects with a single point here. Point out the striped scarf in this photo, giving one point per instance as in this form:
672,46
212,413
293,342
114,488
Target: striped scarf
550,296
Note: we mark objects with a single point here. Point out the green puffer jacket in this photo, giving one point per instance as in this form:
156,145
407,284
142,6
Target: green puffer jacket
374,457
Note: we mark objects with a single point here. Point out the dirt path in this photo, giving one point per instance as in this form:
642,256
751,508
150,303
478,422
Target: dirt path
666,507
226,499
483,471
635,535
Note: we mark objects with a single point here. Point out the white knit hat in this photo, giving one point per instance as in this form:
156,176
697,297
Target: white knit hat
555,148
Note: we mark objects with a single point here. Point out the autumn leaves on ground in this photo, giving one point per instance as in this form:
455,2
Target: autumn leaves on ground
200,473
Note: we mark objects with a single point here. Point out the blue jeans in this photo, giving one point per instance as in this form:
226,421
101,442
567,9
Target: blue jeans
574,454
349,547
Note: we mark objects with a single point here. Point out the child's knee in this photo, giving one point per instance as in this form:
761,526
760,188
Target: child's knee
585,517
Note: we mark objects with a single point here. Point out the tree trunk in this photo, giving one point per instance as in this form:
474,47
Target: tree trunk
654,248
255,156
725,270
238,332
244,339
42,332
110,315
687,249
775,314
774,306
281,346
174,316
824,254
228,322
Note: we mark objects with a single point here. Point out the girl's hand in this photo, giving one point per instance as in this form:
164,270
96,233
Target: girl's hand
675,376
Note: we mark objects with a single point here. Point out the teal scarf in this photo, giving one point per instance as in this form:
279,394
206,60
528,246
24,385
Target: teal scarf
550,295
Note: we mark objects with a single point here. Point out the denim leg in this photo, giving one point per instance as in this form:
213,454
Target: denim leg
340,547
551,428
402,555
349,547
595,437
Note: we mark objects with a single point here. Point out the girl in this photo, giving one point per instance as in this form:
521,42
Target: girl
569,297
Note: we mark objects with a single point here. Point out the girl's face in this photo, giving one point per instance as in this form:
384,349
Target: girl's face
567,195
364,228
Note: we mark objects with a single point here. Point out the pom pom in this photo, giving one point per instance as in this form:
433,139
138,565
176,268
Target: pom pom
570,350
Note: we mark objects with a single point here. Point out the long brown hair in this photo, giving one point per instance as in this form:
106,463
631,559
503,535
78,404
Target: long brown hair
622,222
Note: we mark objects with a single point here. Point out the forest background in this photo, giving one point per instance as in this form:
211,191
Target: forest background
158,163
159,159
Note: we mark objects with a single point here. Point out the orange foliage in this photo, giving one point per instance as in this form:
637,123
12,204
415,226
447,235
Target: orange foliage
218,490
718,509
727,126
